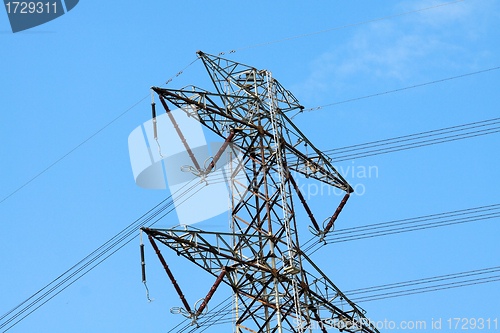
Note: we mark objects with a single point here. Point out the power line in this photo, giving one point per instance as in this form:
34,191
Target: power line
425,280
72,150
332,239
406,225
115,243
364,293
495,120
90,137
117,240
427,289
396,90
417,144
413,140
232,51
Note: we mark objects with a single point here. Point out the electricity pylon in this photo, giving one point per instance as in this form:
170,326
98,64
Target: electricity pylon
276,287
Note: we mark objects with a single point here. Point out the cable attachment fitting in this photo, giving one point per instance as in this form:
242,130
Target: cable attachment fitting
318,233
193,315
202,172
182,311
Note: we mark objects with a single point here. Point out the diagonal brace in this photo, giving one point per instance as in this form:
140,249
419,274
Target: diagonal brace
303,201
211,292
337,212
178,130
169,273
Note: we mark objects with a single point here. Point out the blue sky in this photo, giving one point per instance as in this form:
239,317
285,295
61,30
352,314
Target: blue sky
63,81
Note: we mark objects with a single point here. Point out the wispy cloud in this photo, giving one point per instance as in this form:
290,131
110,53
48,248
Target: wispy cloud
400,50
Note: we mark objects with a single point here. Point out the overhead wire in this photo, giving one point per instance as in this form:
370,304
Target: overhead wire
425,280
75,273
191,63
363,294
331,239
88,256
405,225
421,290
64,156
411,141
395,90
413,145
90,137
461,127
120,240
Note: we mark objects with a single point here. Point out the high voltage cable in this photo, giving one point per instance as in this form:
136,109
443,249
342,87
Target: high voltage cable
409,290
414,291
420,218
72,150
129,230
425,280
417,144
406,147
418,140
332,239
232,51
91,136
87,257
405,225
495,120
107,246
213,180
54,288
396,90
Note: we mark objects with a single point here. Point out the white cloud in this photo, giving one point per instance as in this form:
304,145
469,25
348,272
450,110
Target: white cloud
406,49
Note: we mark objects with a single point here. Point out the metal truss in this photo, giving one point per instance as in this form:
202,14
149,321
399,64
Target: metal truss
276,287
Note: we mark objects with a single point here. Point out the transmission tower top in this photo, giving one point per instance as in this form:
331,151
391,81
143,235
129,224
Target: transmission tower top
276,287
247,97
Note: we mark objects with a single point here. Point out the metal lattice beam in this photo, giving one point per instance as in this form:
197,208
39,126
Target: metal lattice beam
277,288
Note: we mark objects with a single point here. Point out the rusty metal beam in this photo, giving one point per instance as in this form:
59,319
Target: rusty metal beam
337,212
211,292
221,150
303,201
179,132
169,273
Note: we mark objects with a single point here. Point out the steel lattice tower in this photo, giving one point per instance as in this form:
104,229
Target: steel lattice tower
276,287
